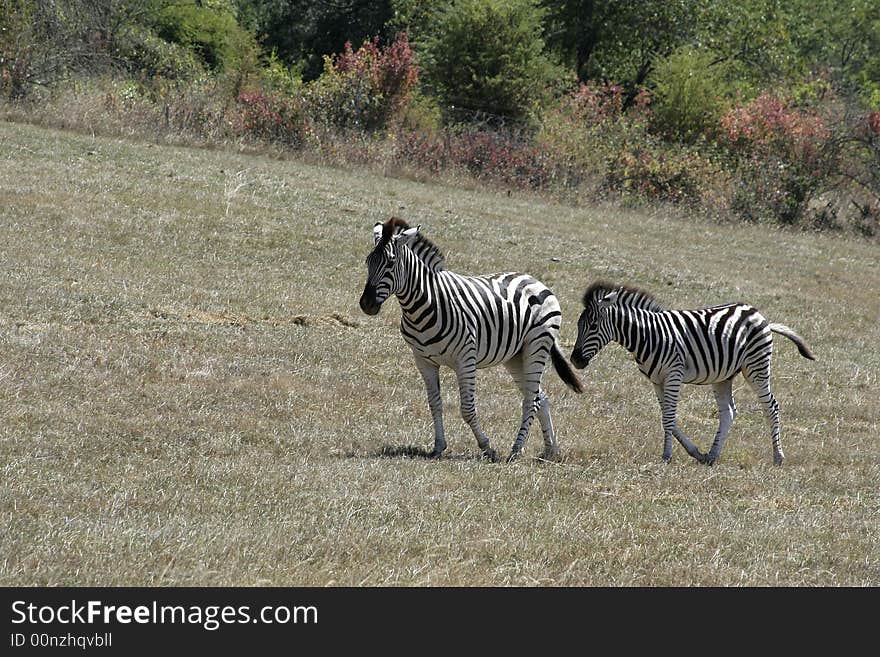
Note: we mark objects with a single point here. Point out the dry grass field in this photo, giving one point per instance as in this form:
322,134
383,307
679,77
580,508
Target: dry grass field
189,394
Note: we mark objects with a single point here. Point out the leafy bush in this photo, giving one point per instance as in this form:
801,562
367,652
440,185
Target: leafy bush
858,138
689,95
209,29
492,155
489,154
659,172
421,151
587,129
278,77
589,125
421,113
150,56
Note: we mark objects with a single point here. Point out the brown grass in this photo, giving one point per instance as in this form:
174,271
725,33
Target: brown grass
190,395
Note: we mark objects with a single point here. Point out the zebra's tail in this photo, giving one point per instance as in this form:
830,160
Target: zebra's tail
782,329
564,370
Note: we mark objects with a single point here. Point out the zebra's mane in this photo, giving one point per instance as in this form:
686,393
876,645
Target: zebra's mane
632,297
428,252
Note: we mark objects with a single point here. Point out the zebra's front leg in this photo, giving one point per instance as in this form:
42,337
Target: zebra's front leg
467,380
667,433
668,394
431,375
726,413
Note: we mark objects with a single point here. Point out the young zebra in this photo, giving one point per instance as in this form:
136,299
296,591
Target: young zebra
706,346
466,323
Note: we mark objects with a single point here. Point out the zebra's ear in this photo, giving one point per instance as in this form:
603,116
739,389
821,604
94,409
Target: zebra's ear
406,236
377,232
608,300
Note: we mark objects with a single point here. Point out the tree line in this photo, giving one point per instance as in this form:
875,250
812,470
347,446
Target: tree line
661,88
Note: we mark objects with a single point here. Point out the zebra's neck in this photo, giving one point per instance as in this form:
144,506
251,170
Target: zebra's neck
415,292
426,251
629,324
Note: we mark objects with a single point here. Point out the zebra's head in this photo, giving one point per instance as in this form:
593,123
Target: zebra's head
595,328
384,270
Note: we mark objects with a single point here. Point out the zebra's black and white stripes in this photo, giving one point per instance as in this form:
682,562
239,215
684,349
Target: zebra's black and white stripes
467,323
672,347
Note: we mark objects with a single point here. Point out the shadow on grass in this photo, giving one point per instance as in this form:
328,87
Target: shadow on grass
408,451
418,452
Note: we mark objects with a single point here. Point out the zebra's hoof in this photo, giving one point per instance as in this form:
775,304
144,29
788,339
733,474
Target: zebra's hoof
552,455
667,459
490,455
435,454
778,459
514,456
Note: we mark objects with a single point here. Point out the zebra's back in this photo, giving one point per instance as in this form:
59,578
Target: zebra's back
491,315
716,343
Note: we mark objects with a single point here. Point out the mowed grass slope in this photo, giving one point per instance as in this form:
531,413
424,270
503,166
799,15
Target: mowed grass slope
189,394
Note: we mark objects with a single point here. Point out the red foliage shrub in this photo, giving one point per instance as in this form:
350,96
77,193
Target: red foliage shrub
768,125
871,125
593,104
364,88
422,151
782,155
271,117
391,71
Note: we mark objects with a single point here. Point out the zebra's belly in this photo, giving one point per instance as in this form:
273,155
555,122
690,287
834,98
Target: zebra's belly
690,373
440,350
492,359
435,354
708,374
451,350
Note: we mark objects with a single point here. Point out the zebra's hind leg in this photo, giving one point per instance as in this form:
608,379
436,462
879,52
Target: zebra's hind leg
759,380
726,414
667,394
527,369
551,448
529,409
466,373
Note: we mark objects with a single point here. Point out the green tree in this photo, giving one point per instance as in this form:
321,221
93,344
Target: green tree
619,40
43,43
303,32
487,57
845,39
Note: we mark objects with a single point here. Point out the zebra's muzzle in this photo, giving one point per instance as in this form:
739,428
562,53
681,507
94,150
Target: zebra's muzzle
578,360
368,301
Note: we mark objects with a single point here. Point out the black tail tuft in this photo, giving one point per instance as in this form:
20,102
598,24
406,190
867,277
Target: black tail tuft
565,371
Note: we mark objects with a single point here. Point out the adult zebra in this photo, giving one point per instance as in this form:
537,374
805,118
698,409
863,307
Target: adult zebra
671,347
467,323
